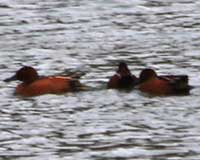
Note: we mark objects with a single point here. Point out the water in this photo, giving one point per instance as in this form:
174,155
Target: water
57,36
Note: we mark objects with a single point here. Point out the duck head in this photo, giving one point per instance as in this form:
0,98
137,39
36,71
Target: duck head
26,74
123,69
147,74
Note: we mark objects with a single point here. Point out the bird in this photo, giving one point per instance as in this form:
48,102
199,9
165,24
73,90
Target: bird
35,85
151,83
123,78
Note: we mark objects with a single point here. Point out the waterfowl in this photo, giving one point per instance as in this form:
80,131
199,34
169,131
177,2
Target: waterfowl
122,78
34,85
151,83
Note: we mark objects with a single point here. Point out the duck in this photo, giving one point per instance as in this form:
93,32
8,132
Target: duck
123,78
35,85
150,82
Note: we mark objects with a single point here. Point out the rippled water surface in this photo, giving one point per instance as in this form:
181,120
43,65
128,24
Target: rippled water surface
60,36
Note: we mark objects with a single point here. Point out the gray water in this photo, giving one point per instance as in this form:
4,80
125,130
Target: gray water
92,37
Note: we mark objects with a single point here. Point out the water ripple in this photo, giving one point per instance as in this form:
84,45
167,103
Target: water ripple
93,37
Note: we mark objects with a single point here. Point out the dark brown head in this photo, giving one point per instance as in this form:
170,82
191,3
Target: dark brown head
123,69
147,74
26,74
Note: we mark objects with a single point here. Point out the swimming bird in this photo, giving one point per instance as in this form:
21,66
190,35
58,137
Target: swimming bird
35,85
151,83
122,78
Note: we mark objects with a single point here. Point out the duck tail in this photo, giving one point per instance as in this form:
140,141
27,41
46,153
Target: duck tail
76,85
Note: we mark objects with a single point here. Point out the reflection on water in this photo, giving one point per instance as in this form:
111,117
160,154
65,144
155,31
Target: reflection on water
92,37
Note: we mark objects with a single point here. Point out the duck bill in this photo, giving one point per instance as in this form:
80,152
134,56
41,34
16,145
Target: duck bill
13,78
